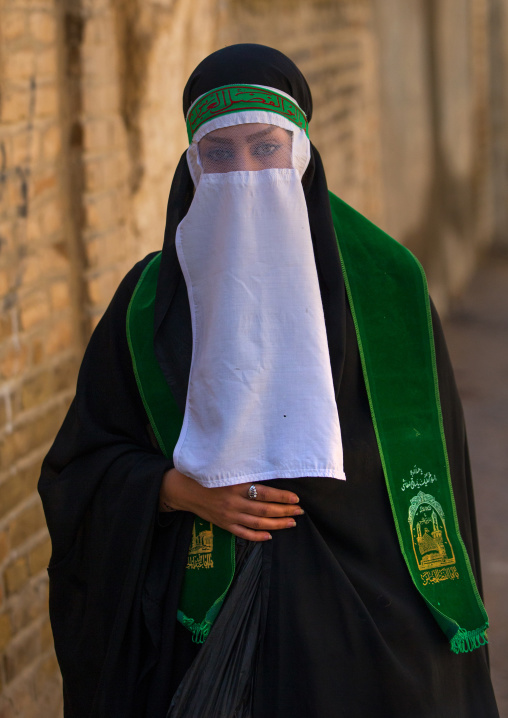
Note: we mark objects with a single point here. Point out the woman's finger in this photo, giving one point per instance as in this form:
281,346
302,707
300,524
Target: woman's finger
262,508
248,534
270,494
259,523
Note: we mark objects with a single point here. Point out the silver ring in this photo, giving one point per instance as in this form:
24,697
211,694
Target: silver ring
252,493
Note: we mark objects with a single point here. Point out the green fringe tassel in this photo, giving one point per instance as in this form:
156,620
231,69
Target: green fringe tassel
199,631
466,641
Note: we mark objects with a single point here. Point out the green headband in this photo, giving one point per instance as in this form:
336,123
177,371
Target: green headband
237,98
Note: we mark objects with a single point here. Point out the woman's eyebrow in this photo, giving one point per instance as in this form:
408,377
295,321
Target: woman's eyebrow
250,138
261,133
222,140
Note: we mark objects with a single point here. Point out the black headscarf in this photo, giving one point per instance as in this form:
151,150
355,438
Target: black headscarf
259,65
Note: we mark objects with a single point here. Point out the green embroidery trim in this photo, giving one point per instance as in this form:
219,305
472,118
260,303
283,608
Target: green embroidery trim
388,296
210,567
191,591
237,98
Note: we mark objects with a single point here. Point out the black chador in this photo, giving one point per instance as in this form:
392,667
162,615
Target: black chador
342,630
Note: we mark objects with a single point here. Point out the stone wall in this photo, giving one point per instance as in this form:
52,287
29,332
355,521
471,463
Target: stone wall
410,118
38,336
498,106
435,133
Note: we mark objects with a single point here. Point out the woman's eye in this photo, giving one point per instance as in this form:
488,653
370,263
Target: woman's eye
220,155
265,149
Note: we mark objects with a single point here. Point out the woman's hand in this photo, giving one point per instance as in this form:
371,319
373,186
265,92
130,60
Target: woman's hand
229,506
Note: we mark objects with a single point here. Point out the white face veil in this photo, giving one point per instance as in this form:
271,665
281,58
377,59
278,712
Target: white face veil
260,402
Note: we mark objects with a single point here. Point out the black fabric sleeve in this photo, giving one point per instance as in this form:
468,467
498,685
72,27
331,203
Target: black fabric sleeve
456,440
99,486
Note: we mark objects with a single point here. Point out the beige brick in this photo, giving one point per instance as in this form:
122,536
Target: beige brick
29,604
38,558
94,63
13,360
27,523
33,227
51,143
102,211
34,310
5,631
48,667
31,269
46,63
6,238
22,651
38,353
100,99
4,545
44,428
5,321
98,134
60,297
15,105
51,218
5,286
64,375
19,65
49,261
48,673
58,257
20,148
18,700
17,488
97,31
3,415
36,390
59,337
16,575
13,24
42,27
101,288
43,183
11,449
46,636
95,179
16,192
12,491
46,100
118,140
33,433
105,249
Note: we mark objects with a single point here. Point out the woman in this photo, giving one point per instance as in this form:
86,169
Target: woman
225,387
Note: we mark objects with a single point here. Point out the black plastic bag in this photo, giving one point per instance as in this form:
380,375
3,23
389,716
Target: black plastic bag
219,682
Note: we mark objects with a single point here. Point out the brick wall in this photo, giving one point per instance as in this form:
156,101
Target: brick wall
90,133
37,342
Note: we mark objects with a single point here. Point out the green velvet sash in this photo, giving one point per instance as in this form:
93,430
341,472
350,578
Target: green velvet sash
211,559
389,301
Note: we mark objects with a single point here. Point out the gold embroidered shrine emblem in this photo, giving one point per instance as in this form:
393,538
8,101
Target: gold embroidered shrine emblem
431,545
201,547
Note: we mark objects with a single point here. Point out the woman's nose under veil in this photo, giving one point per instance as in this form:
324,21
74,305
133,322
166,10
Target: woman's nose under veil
260,402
